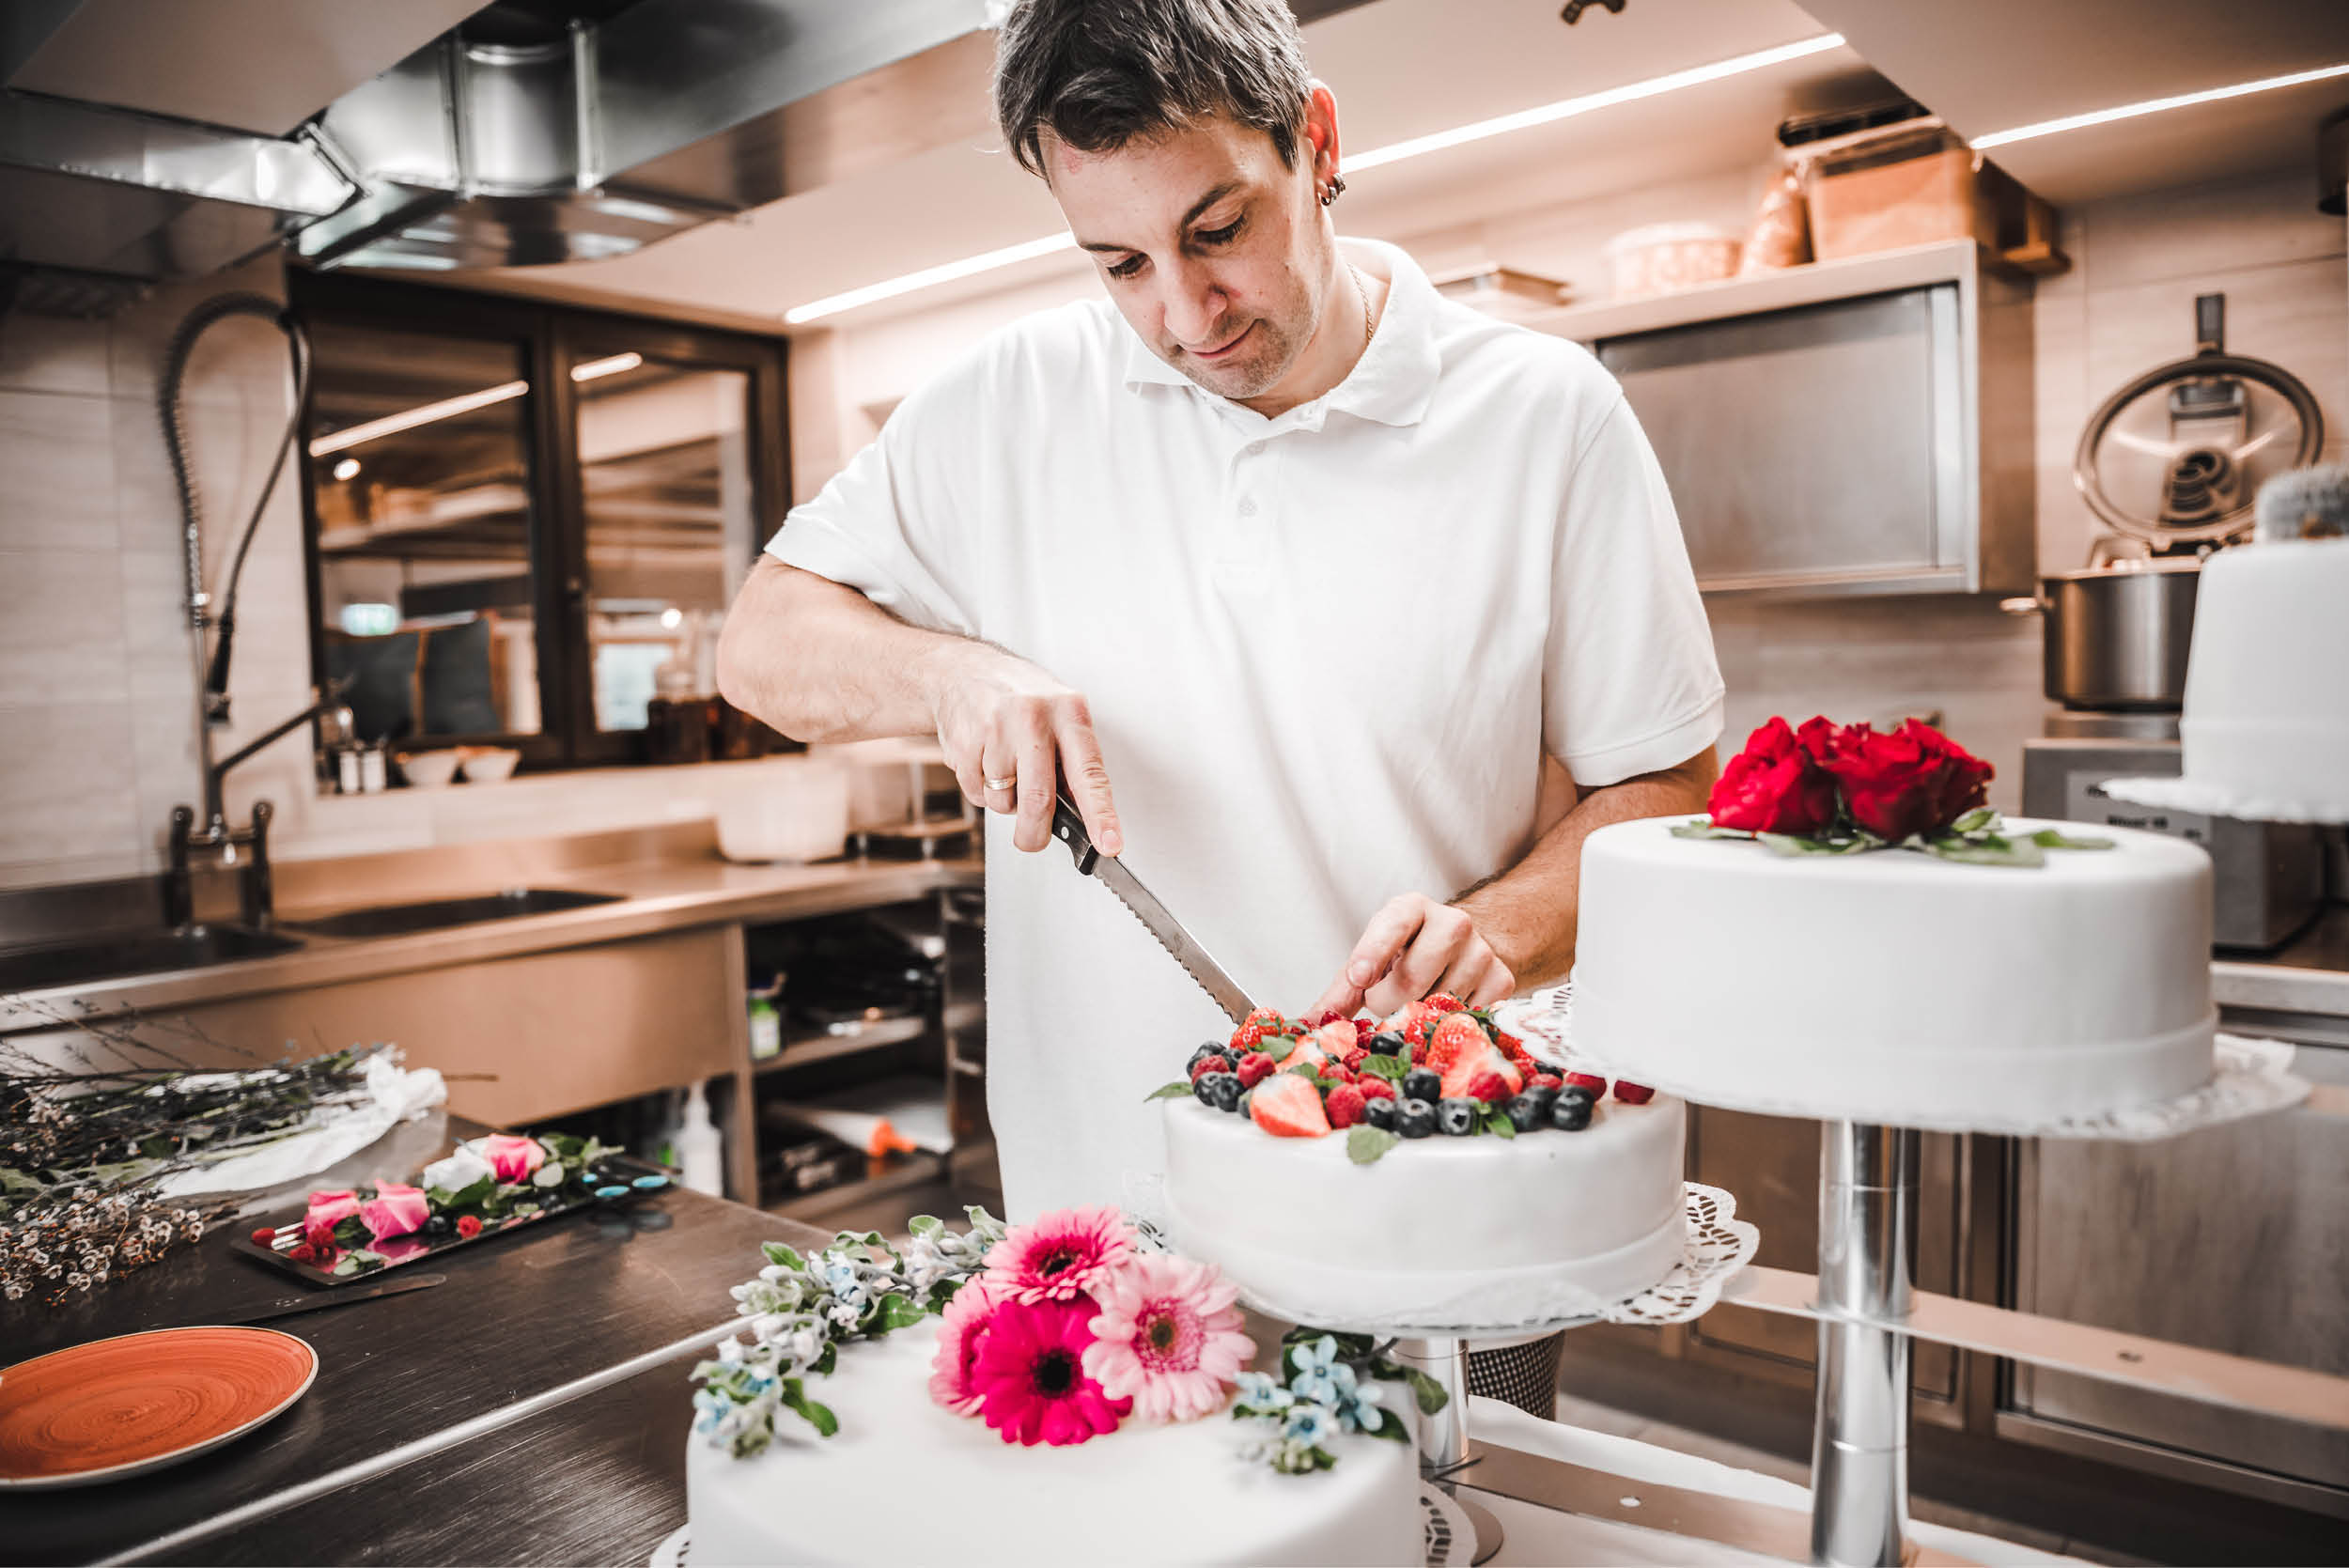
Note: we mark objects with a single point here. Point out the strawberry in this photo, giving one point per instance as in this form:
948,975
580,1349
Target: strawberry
1306,1052
1454,1035
1335,1038
1209,1065
1344,1106
1443,1001
1286,1106
1466,1076
1508,1042
1254,1068
1489,1086
1596,1084
1633,1094
1375,1088
1539,1081
1249,1035
1262,1015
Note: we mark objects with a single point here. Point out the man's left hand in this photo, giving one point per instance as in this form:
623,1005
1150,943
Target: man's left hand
1413,946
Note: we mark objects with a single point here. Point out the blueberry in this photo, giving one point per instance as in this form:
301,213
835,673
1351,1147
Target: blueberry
1526,1112
1572,1113
1388,1042
1202,1091
1459,1117
1246,1098
1544,1098
439,1224
1415,1118
1579,1093
1223,1090
1213,1048
1421,1084
1379,1113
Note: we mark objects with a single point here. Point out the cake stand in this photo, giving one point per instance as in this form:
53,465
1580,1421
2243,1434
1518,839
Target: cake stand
1716,1246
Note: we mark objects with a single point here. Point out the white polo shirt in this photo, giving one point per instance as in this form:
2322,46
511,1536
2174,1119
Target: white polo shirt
1325,653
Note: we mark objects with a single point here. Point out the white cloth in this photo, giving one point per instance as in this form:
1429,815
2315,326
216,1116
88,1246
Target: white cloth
332,1132
1324,653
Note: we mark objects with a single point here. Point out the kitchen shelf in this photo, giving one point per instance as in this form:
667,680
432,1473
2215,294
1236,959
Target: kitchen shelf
801,1050
899,1173
966,1015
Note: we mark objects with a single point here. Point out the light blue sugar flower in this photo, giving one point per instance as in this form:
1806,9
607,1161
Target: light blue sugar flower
1318,1355
1258,1392
1309,1425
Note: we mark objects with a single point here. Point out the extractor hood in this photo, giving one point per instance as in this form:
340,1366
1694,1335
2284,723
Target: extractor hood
154,139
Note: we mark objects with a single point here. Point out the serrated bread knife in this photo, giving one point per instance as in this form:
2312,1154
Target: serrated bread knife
1111,873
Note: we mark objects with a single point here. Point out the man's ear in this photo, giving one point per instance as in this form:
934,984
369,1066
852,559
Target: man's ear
1321,130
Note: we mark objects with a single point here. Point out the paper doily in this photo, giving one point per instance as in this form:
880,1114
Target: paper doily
2249,1078
674,1549
2217,799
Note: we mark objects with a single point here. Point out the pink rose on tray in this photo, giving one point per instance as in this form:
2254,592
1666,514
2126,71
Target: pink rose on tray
1061,1256
395,1210
1168,1338
326,1211
511,1158
1030,1378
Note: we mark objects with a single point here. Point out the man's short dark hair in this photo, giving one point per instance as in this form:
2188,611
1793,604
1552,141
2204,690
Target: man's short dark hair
1097,74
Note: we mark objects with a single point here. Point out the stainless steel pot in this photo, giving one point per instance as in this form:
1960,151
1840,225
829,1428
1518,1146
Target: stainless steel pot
2117,635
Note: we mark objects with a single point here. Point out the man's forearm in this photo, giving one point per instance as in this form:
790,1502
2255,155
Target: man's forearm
1528,914
821,662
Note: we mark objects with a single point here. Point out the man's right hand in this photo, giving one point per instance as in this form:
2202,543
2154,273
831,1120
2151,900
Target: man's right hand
1011,732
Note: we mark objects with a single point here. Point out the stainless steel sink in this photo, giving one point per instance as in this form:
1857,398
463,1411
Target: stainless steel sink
120,954
433,914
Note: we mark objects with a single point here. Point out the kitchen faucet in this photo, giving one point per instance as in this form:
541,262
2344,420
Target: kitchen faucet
255,895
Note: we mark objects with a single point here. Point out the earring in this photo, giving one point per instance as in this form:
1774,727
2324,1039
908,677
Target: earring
1332,191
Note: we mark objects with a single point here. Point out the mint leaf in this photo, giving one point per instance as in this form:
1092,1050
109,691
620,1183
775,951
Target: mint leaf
1167,1092
1703,828
778,1253
1391,1068
2053,838
1305,1070
1365,1145
1497,1120
1986,849
898,1312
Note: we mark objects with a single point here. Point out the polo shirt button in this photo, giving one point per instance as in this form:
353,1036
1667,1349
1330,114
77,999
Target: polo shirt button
1256,449
1248,506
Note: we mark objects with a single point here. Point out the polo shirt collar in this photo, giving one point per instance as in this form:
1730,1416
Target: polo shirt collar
1394,380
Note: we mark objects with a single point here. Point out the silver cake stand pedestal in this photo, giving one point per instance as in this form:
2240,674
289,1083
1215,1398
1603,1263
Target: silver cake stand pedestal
1859,1441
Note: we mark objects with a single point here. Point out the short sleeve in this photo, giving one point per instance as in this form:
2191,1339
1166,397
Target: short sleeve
1629,684
895,526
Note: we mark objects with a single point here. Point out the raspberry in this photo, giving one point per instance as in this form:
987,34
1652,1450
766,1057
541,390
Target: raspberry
1489,1086
1254,1068
1546,1080
263,1236
1591,1081
1208,1064
1344,1106
1353,1059
467,1226
303,1252
1364,1029
1444,1002
1633,1094
1374,1087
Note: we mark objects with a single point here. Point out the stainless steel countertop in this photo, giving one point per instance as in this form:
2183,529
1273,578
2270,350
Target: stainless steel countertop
656,895
2309,974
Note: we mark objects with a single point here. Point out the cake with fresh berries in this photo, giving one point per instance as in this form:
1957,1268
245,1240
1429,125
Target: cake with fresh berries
1422,1172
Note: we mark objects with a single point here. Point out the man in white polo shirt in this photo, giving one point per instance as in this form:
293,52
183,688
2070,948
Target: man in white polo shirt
1296,569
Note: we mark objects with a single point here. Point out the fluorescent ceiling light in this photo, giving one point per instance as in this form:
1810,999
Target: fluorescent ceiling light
597,368
2156,106
391,424
1565,108
347,469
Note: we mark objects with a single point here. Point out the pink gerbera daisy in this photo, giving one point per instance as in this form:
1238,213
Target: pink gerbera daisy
1168,1338
1060,1256
961,1330
1031,1379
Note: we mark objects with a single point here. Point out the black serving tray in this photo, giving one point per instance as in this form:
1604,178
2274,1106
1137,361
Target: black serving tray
621,1170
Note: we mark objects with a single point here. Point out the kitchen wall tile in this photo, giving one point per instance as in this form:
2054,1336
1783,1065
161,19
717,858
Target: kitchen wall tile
77,868
44,353
141,334
61,637
59,491
70,788
2219,227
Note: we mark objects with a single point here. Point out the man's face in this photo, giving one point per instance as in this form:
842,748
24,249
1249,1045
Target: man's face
1213,250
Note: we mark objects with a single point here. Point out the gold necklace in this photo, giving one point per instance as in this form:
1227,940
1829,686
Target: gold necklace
1363,289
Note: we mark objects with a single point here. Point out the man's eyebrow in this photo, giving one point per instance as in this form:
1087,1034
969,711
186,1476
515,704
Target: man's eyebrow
1217,194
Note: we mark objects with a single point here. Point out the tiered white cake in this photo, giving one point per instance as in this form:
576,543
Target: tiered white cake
905,1481
1438,1232
2266,718
1893,986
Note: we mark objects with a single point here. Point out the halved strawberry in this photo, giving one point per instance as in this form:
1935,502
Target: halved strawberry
1455,1035
1633,1094
1306,1052
1591,1081
1335,1038
1444,1001
1286,1106
1464,1077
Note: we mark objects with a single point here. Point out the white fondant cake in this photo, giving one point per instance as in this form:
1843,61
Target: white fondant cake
1480,1232
2266,716
1871,987
904,1481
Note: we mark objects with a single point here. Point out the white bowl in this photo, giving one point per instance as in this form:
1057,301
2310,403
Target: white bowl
428,770
490,764
782,811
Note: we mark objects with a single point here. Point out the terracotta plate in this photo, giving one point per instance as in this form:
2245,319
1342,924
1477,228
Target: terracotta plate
116,1407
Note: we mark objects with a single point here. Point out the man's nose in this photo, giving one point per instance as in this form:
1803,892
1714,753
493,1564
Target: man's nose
1195,305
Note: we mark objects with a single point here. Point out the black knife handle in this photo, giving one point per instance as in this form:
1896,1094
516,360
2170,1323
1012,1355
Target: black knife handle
1069,829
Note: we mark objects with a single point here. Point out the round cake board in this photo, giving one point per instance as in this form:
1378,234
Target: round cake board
2249,1078
2210,799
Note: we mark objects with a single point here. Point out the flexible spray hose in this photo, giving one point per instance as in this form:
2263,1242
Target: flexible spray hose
219,308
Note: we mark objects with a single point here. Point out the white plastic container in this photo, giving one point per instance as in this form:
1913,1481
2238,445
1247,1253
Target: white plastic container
795,810
700,1152
1663,258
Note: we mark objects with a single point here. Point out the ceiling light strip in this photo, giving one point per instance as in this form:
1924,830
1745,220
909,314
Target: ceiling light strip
596,369
391,424
2156,106
1395,152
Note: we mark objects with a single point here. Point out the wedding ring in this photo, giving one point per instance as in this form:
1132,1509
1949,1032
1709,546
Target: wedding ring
1000,783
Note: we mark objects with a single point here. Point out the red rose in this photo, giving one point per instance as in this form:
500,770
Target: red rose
1775,785
468,1227
1913,780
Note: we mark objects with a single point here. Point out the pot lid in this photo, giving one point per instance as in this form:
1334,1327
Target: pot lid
2175,457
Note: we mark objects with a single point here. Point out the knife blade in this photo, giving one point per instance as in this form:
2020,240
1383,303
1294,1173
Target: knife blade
1069,827
318,1301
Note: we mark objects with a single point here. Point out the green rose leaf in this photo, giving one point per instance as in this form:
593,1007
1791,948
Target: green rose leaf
778,1253
1987,850
1365,1145
1701,826
1786,843
795,1398
1391,1068
2053,838
1424,1389
1980,820
822,1365
898,1312
1168,1092
1389,1426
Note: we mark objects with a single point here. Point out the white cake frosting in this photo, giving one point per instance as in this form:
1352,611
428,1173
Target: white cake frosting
1480,1232
1889,985
904,1481
2266,715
